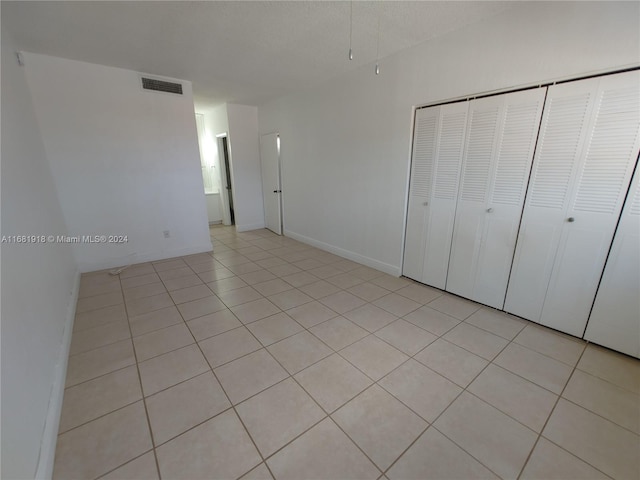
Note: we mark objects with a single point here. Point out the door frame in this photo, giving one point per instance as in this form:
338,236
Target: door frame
279,174
224,160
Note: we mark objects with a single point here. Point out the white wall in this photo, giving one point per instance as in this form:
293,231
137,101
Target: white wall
39,287
244,147
125,160
345,145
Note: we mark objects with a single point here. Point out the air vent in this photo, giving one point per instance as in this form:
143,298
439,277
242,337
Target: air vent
161,86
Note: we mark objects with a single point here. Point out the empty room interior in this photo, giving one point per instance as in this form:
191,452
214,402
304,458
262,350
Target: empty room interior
320,240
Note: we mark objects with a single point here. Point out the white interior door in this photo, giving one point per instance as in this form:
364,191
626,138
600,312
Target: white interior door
501,137
271,184
615,318
435,170
586,152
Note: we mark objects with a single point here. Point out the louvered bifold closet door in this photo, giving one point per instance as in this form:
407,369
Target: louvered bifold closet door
586,151
433,190
615,319
501,138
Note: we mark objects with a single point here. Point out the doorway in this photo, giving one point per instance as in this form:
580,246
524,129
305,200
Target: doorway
271,181
227,189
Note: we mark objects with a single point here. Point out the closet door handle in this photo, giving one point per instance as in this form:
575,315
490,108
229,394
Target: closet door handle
489,210
571,219
426,204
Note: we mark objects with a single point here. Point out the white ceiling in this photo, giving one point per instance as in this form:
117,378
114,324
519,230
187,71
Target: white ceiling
235,51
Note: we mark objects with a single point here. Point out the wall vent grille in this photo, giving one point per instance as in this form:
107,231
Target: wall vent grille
161,86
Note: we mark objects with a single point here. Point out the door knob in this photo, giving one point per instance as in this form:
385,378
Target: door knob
489,210
275,191
571,219
426,204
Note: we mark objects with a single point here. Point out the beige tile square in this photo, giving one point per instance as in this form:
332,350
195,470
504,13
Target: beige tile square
405,336
213,324
137,270
454,306
238,296
342,302
397,304
148,304
271,287
493,438
190,293
183,282
380,425
148,322
332,382
95,318
515,396
550,462
171,368
228,346
183,406
370,317
183,271
169,264
420,293
421,389
216,275
107,285
324,452
100,336
325,272
99,301
274,328
220,445
432,320
145,290
496,322
338,332
300,279
246,268
279,414
435,456
90,400
201,307
373,357
599,442
162,341
390,282
142,468
226,284
368,291
284,270
540,369
255,310
270,261
299,351
563,348
451,361
249,375
258,276
308,264
290,299
611,366
482,343
92,364
319,289
366,273
206,266
343,280
261,472
139,280
99,446
606,399
311,314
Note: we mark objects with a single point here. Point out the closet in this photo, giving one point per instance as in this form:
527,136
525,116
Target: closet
535,184
499,145
615,318
586,152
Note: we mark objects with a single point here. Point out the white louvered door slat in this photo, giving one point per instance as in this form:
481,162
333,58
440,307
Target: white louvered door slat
422,165
500,144
588,145
615,318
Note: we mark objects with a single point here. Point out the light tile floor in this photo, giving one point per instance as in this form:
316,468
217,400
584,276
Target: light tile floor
271,359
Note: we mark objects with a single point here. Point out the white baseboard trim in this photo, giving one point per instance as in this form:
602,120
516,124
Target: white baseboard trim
145,257
52,422
348,254
251,226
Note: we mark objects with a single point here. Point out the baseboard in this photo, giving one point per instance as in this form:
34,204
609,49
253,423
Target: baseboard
250,226
52,422
348,254
145,257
